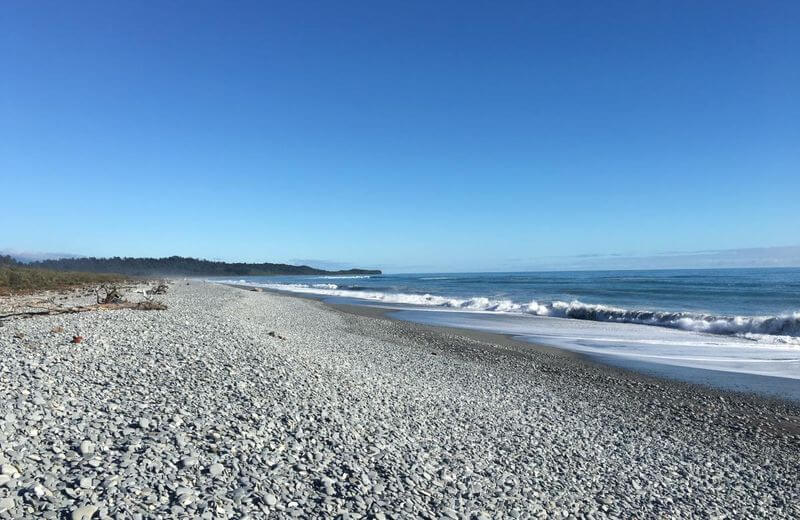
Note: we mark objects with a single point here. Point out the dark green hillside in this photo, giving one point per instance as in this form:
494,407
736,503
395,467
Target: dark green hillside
181,266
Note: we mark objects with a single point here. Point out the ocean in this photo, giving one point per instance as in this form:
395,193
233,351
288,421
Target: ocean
732,320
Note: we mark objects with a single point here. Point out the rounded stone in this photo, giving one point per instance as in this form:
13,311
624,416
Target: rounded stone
85,512
87,448
188,462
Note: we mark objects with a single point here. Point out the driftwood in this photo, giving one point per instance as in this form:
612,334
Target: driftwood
112,295
109,298
147,305
161,288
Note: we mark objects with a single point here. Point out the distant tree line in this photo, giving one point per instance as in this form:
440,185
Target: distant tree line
8,260
179,266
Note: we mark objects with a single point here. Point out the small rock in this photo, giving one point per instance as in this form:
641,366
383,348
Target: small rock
8,469
84,513
6,504
216,470
40,491
270,499
239,494
188,462
87,447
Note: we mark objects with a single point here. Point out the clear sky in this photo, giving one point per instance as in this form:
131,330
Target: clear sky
405,135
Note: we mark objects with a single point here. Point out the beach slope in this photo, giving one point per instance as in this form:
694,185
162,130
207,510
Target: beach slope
233,403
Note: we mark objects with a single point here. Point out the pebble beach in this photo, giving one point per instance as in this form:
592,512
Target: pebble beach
242,404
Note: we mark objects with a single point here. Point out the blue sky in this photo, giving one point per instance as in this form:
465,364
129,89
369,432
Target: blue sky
410,136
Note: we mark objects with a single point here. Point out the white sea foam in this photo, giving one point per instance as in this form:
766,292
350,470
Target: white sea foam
753,345
345,276
630,341
784,326
766,329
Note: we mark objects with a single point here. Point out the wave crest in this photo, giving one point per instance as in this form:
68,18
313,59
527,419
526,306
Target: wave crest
779,329
787,325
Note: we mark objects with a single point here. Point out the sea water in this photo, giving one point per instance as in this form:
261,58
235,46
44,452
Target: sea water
731,320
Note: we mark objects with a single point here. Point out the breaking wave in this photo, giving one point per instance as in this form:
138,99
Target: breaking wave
345,276
754,326
773,329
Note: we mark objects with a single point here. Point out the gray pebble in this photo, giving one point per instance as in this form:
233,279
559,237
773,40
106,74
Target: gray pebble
87,448
85,512
188,462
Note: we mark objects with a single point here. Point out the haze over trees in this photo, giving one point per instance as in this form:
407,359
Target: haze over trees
183,266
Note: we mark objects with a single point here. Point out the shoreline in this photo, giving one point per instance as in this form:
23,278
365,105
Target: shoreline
756,406
744,385
769,388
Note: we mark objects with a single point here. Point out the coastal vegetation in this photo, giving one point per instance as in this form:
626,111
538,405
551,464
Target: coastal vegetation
16,278
184,266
